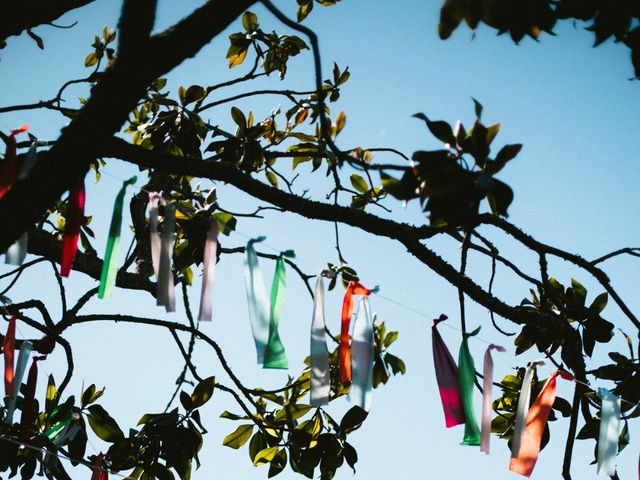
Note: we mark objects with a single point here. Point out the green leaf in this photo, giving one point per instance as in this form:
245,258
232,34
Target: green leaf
506,153
250,21
266,455
292,412
103,425
185,400
272,178
278,462
91,59
353,419
304,8
233,416
599,303
238,117
396,364
257,444
194,93
439,129
359,183
238,437
203,392
226,222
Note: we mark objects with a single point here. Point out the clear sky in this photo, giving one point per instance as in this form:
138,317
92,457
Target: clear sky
571,106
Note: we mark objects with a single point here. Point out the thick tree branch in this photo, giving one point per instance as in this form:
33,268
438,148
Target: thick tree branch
16,17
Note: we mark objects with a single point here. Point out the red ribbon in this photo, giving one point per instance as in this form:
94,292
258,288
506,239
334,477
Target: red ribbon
8,350
29,411
73,221
447,378
99,472
9,170
354,288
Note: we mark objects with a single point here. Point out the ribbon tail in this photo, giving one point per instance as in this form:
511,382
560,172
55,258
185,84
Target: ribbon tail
74,218
535,424
353,288
320,377
29,408
467,376
447,378
487,398
362,357
522,409
21,366
17,252
256,299
609,431
208,271
110,261
274,354
166,288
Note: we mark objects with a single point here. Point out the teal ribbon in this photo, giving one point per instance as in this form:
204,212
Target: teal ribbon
110,263
609,432
256,298
274,354
467,376
362,357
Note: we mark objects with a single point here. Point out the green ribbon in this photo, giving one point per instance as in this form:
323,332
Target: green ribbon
274,354
467,376
110,265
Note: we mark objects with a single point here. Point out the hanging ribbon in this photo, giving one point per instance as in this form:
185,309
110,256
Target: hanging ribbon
29,407
21,367
17,252
9,170
73,221
256,298
99,472
609,432
354,288
535,425
362,356
523,407
487,398
320,377
29,162
274,354
8,350
467,377
110,263
447,378
154,237
166,290
208,270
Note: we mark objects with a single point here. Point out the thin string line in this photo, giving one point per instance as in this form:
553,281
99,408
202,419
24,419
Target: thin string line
60,455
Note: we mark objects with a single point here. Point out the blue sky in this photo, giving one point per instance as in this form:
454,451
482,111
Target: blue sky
571,106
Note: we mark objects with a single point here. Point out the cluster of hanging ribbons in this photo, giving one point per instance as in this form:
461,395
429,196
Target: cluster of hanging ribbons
456,385
455,382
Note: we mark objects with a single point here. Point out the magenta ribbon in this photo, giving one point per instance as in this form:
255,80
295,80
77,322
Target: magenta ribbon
447,378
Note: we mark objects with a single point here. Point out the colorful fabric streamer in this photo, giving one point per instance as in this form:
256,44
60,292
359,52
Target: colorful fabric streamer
467,378
29,406
256,298
166,288
8,350
208,270
23,358
99,470
487,398
320,377
362,356
522,409
17,252
73,222
609,432
354,288
155,199
274,354
110,263
536,421
447,378
9,170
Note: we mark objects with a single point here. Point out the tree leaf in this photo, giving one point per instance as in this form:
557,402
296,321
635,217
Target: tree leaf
103,425
266,455
359,183
203,392
238,437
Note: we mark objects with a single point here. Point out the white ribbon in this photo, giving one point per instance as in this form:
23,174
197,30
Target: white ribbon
17,252
208,271
166,293
362,356
154,237
320,377
609,431
523,408
23,359
259,304
487,398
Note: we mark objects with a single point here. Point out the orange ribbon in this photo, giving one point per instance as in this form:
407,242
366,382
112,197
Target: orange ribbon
354,288
536,422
